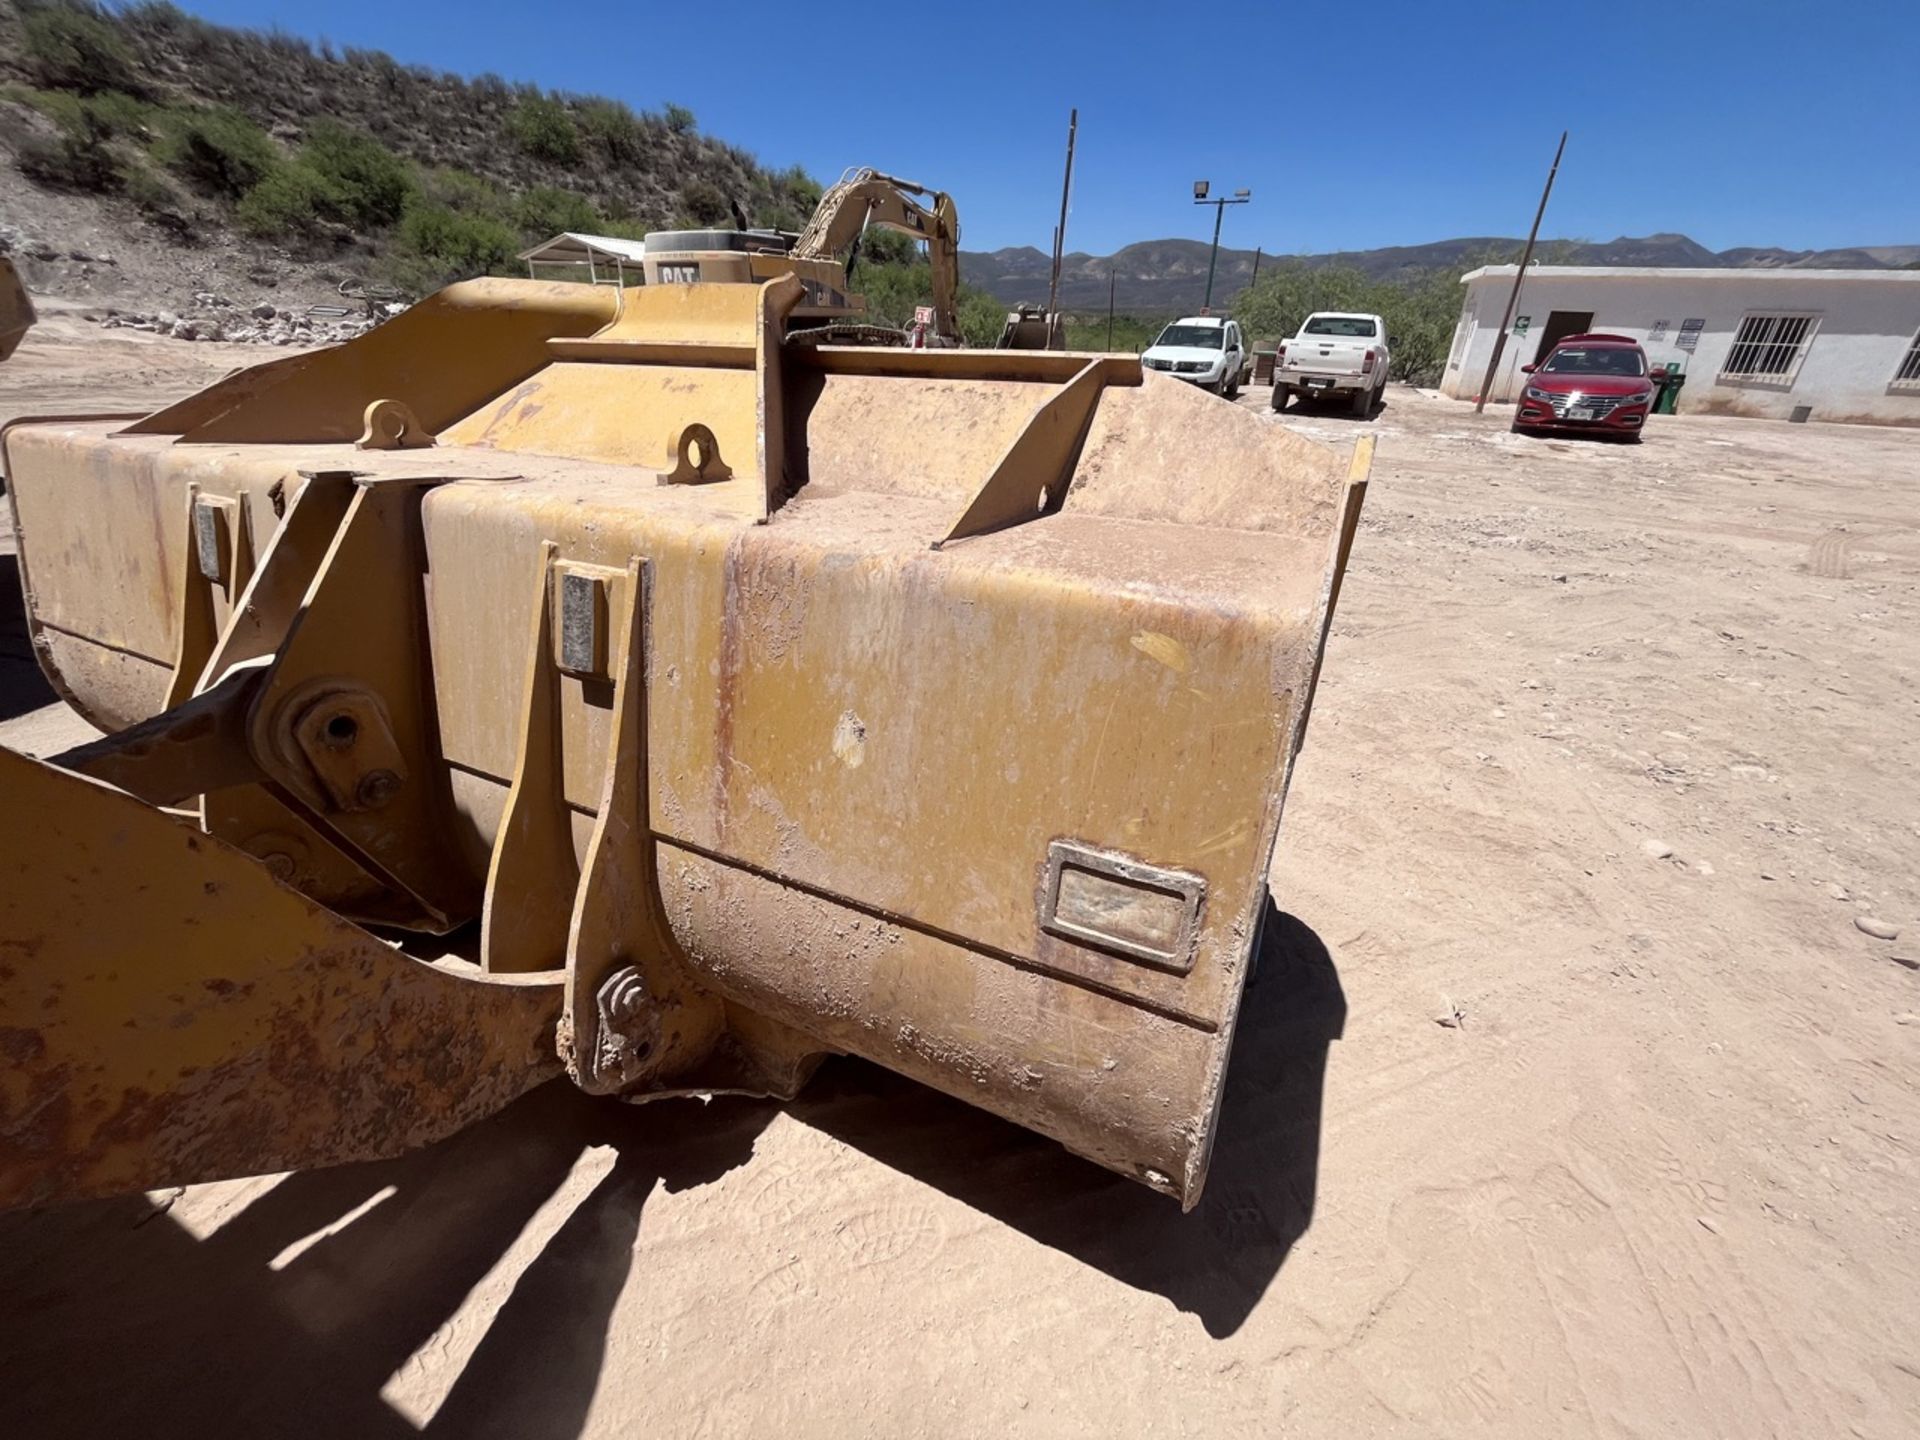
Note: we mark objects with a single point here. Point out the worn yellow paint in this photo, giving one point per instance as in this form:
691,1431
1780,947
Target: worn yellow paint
1164,648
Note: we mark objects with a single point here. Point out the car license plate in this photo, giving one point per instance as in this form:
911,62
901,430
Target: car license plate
1319,384
1579,412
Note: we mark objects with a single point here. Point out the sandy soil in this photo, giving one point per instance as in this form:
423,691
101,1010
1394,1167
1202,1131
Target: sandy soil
1534,1127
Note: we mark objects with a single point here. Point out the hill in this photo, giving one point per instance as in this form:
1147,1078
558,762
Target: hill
1164,276
177,156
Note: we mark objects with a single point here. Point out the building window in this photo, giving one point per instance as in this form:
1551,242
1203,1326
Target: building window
1768,349
1907,377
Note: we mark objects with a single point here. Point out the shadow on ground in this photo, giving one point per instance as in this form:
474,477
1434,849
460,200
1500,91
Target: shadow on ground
123,1322
1215,1263
22,686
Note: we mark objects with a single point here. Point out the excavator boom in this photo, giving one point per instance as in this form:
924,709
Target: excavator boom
863,198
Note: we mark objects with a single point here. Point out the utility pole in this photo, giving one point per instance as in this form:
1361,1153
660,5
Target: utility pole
1256,268
1109,307
1060,230
1239,197
1513,296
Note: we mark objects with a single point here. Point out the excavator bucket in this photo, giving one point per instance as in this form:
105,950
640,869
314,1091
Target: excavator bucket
560,678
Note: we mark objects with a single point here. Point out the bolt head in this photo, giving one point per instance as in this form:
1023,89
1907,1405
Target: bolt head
376,788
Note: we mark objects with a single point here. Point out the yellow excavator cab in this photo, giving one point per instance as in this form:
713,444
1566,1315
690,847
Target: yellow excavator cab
694,703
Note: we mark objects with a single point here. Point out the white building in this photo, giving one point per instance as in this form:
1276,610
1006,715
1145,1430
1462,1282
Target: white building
1844,344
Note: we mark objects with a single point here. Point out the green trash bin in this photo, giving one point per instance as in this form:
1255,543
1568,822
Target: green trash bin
1667,401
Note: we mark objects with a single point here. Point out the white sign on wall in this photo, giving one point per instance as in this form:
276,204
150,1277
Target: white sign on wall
1657,333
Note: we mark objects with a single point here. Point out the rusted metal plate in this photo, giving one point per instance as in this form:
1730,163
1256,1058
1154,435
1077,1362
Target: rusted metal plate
169,1013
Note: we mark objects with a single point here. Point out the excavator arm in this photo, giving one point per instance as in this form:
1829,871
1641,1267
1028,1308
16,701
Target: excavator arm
865,197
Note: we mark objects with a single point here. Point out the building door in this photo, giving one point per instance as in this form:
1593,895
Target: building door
1560,324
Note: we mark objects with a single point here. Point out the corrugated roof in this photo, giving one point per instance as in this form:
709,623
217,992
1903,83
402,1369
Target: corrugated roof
1677,272
568,245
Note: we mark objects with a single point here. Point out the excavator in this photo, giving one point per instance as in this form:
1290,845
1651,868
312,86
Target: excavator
823,255
562,680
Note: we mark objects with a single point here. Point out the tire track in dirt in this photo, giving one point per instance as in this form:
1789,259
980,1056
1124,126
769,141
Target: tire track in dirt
1827,556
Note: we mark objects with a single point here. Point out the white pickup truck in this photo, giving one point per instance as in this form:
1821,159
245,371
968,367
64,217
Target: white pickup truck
1334,352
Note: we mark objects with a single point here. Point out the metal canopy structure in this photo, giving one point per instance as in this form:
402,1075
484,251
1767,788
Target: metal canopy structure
606,259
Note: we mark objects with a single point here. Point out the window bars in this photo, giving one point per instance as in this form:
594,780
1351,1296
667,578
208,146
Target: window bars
1907,377
1769,348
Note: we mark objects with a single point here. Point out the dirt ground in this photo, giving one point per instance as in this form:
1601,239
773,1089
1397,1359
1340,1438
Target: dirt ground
1571,1101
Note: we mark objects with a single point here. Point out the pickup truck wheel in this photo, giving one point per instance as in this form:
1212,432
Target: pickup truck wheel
1230,385
1281,394
1363,402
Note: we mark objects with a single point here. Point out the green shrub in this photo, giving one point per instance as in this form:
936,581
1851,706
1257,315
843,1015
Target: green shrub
464,192
289,200
544,211
114,112
615,129
448,246
69,162
67,111
704,203
624,229
152,191
159,15
1128,333
220,151
981,318
358,179
1420,307
70,48
544,130
679,119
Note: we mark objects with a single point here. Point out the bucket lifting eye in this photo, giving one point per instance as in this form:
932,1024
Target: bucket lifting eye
696,458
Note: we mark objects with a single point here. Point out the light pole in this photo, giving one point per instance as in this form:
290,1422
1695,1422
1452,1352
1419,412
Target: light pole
1239,197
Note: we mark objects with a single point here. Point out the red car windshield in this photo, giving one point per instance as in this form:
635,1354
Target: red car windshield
1613,360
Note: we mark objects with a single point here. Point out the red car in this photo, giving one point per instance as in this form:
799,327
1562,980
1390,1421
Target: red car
1591,384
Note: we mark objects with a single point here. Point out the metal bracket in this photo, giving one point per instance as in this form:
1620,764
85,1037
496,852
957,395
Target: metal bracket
1032,477
391,425
696,458
533,874
358,635
617,923
218,554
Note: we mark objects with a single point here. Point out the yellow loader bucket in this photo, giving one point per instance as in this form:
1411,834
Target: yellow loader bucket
722,702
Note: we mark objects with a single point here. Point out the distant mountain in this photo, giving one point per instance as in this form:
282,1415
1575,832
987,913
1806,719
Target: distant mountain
1163,276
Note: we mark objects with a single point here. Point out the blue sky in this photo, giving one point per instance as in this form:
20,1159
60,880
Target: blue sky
1757,123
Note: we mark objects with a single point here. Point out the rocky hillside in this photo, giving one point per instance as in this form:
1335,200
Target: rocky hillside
1162,276
146,154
